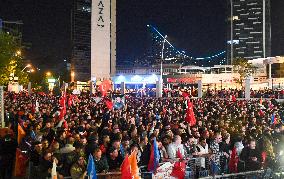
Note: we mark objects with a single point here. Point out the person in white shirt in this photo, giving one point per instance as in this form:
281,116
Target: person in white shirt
202,148
174,147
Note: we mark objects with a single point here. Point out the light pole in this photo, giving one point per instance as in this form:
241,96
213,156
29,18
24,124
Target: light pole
161,74
28,65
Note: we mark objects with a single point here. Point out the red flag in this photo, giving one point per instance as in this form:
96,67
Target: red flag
263,156
164,110
125,169
62,102
261,113
70,100
190,118
184,94
20,164
233,163
179,167
151,161
104,87
179,170
33,108
234,98
179,155
65,125
109,103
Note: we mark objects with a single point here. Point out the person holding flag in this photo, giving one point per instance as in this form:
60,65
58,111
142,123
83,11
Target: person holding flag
174,147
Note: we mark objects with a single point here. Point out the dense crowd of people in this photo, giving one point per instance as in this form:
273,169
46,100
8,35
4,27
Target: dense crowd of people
233,135
224,93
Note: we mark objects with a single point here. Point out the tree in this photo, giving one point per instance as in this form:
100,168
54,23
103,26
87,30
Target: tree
244,69
11,61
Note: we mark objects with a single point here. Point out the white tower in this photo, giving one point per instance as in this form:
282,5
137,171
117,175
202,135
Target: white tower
103,39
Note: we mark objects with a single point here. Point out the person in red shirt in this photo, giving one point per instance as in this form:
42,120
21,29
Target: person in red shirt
105,144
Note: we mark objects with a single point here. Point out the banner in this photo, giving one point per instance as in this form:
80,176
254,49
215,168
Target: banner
118,101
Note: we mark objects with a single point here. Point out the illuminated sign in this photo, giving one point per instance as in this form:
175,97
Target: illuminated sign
145,79
51,80
182,80
234,42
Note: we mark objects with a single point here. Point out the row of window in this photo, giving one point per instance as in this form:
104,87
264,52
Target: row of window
154,70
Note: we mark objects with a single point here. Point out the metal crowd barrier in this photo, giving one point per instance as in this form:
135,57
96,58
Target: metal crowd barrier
193,169
109,175
259,174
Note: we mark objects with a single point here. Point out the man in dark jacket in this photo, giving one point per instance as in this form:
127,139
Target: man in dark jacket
100,162
8,147
113,160
251,156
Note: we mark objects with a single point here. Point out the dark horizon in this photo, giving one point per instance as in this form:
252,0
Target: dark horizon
197,27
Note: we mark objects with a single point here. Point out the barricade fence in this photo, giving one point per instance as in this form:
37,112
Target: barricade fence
200,167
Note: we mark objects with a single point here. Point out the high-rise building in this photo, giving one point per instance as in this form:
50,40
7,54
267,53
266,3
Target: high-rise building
249,29
81,40
93,52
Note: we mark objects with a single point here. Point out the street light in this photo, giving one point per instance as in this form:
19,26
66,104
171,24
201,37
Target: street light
18,52
48,73
161,74
221,84
31,71
28,65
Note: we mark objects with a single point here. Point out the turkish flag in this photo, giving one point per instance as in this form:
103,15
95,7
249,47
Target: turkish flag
234,98
125,169
109,103
105,86
70,100
233,163
179,155
184,94
190,118
179,167
62,103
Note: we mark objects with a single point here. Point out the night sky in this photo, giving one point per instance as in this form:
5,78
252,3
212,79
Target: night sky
195,26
